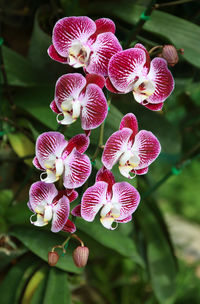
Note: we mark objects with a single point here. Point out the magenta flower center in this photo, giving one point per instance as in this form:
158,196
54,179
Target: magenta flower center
79,54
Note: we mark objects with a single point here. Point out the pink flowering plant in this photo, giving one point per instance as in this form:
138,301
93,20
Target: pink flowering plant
92,45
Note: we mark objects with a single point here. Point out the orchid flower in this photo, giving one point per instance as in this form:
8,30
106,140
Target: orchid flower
131,70
50,205
77,96
134,150
56,157
81,42
117,201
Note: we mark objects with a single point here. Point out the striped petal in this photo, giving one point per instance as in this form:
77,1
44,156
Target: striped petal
69,227
41,193
49,146
80,142
162,79
53,54
128,198
94,107
147,147
104,175
105,46
77,169
76,211
154,106
70,29
95,79
93,199
130,121
116,144
125,68
60,214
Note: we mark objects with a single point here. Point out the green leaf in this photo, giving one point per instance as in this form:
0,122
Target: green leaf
181,33
10,284
160,258
40,242
57,289
112,239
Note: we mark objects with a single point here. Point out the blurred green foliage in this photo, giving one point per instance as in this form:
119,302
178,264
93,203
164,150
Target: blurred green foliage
135,263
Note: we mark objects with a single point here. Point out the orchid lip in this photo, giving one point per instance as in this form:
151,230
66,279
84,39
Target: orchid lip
78,54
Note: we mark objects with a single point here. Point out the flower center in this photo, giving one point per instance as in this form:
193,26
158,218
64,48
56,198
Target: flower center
71,109
78,54
127,162
44,215
142,89
109,213
54,169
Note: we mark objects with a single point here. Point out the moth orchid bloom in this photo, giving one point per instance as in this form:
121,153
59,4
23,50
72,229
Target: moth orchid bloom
81,42
133,150
117,201
77,96
56,157
48,205
132,70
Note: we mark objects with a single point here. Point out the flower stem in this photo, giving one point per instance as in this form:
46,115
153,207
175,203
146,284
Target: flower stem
172,3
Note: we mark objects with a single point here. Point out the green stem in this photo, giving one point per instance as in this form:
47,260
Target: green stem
138,27
172,3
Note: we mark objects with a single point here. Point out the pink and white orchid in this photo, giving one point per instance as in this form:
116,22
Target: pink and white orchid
117,201
134,150
132,70
81,42
50,205
77,96
57,157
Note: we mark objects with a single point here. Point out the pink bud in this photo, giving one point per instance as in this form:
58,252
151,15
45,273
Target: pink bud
80,256
169,53
53,258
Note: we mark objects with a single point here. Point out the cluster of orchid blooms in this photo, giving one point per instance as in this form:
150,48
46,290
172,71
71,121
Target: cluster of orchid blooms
81,42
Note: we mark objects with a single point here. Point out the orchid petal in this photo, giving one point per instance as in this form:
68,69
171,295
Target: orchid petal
70,29
95,79
140,171
148,59
125,68
69,227
41,194
104,25
163,81
93,199
147,147
76,211
53,54
125,220
40,222
130,121
127,196
77,169
105,46
80,142
37,164
105,175
49,145
60,214
94,107
107,222
154,106
116,145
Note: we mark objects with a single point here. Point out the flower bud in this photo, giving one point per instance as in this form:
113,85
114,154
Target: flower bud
169,53
80,256
53,258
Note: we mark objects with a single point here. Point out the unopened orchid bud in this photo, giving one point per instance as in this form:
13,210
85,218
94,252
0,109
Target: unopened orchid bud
80,256
53,258
169,53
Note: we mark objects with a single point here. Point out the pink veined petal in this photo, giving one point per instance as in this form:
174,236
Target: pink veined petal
53,54
148,59
127,196
48,145
141,171
41,193
37,164
115,146
130,121
87,133
154,106
103,25
69,227
105,46
69,29
93,199
77,169
104,175
147,147
110,87
95,79
80,142
68,85
69,193
60,214
54,107
125,68
76,211
94,107
163,80
73,196
125,220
